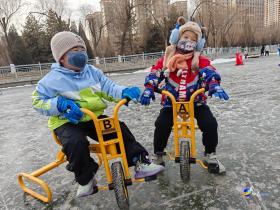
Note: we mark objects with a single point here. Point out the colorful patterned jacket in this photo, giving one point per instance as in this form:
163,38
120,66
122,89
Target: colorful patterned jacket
172,81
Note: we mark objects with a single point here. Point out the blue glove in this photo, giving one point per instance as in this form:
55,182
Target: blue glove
133,93
151,79
146,96
215,88
207,74
70,109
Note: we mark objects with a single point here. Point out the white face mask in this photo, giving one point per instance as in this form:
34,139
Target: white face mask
186,45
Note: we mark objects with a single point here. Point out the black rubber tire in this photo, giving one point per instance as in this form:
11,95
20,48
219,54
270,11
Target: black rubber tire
185,166
120,188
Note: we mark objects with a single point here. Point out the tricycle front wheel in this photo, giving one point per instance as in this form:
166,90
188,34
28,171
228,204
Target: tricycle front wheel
185,166
120,187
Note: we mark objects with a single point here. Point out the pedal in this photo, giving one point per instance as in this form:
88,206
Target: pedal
128,182
95,189
150,178
193,160
162,164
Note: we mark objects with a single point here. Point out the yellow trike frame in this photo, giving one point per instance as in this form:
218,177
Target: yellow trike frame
184,125
105,151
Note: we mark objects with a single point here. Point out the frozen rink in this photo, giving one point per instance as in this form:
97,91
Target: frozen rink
249,147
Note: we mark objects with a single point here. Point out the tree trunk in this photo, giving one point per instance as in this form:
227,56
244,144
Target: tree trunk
123,42
9,54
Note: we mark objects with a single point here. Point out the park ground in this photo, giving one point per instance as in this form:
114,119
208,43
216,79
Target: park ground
249,147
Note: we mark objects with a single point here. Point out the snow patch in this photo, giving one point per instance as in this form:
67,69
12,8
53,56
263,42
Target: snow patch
222,60
18,86
135,72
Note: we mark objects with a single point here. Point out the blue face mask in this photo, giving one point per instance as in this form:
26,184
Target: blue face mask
77,58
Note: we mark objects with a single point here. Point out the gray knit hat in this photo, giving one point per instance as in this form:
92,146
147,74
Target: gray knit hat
64,41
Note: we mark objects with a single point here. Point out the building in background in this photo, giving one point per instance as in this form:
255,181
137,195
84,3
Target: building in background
271,13
96,20
160,9
251,11
181,7
228,21
143,12
244,11
143,16
109,15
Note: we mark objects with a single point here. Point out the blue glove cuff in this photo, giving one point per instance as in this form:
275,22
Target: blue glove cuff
132,93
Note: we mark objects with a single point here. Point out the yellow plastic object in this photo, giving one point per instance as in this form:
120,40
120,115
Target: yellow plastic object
34,178
105,151
184,123
40,182
106,126
201,164
170,156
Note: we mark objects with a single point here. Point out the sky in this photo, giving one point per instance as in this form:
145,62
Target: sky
73,5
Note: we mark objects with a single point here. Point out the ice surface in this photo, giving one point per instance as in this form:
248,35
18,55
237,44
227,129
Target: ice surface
249,147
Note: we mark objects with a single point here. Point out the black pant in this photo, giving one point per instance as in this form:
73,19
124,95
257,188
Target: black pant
206,122
76,148
267,53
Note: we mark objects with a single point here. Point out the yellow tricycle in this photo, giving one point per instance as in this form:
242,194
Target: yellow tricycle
118,175
184,134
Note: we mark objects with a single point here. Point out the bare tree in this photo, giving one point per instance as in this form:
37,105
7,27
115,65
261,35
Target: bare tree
8,9
164,24
96,29
86,9
124,24
93,21
198,4
220,20
125,21
58,7
4,55
206,13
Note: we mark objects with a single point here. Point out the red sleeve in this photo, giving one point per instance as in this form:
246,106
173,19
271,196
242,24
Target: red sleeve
205,62
158,65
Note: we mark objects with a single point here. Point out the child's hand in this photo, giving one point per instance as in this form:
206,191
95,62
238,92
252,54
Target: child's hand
146,97
215,88
69,109
133,93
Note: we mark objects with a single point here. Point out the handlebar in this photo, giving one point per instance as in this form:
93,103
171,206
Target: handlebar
115,112
196,93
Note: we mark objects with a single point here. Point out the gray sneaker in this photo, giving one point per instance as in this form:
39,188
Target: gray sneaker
143,170
158,159
214,165
88,189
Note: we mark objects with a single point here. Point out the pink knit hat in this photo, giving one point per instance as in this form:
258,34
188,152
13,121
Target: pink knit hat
64,41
